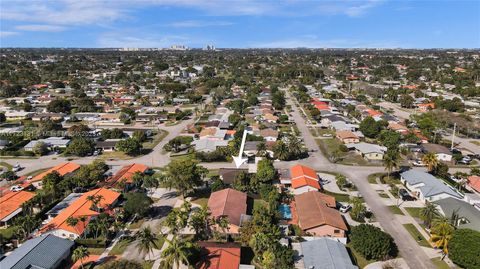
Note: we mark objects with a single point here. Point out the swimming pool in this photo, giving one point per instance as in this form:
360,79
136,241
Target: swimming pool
285,211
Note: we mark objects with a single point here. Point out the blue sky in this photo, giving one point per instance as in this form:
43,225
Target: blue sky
240,23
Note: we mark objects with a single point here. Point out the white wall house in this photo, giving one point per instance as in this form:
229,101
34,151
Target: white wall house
427,187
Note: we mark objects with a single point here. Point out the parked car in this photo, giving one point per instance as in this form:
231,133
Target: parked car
345,208
16,188
463,161
454,178
418,163
16,168
403,193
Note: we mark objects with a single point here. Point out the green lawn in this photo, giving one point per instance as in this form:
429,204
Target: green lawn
395,210
36,172
160,241
6,165
414,211
340,197
120,247
137,224
439,263
417,236
157,138
372,178
475,142
359,259
95,251
259,203
200,201
383,194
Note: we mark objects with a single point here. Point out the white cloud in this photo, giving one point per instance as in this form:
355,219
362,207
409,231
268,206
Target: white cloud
40,28
198,24
8,33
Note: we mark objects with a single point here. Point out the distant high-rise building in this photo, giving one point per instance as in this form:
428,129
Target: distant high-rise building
210,47
179,47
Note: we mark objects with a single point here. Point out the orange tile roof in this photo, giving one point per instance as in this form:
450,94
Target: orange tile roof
81,208
313,211
219,256
474,182
62,169
344,134
12,201
90,259
127,172
208,132
231,132
305,181
426,105
373,112
302,171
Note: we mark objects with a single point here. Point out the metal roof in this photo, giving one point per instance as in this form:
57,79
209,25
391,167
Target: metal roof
464,210
41,252
324,253
431,185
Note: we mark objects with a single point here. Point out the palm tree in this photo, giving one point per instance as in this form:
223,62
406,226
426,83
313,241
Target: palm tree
72,221
80,253
262,149
95,200
294,145
199,222
281,151
429,213
390,161
146,240
430,159
176,252
441,234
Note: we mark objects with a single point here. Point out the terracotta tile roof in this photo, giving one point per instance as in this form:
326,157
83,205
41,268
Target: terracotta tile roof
474,182
302,171
269,132
219,256
228,202
81,208
208,132
305,181
373,112
345,134
313,211
12,201
62,169
431,105
126,173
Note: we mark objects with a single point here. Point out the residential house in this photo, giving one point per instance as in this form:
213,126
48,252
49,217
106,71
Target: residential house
441,152
125,175
17,115
66,202
317,215
219,255
52,143
399,128
474,183
47,116
269,134
11,205
46,252
207,145
347,137
228,175
325,253
370,152
107,146
424,107
231,204
427,187
303,179
467,216
82,207
63,169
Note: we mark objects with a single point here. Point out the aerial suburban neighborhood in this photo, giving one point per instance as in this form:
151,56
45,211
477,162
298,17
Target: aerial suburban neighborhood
224,158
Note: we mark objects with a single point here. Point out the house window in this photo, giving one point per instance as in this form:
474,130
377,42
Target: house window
336,231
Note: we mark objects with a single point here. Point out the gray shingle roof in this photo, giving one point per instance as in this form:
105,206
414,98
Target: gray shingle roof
431,185
463,209
324,253
42,252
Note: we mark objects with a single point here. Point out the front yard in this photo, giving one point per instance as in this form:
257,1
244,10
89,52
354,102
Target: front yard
417,236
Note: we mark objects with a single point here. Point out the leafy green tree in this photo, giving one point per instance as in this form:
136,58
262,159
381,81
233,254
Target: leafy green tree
137,204
406,101
370,128
40,148
183,175
441,233
130,146
463,248
430,160
217,184
265,171
372,242
80,146
234,119
199,221
358,208
59,106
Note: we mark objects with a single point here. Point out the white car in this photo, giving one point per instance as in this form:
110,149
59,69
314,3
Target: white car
418,163
344,208
16,188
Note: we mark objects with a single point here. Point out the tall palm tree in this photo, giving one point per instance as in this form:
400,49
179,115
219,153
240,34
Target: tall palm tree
281,151
429,213
199,222
262,149
390,161
146,240
294,145
72,222
176,252
430,159
441,232
80,254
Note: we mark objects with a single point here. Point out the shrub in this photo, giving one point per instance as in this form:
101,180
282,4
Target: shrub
372,242
464,247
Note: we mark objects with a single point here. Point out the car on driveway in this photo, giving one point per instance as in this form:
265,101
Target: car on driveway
418,163
345,208
403,193
16,188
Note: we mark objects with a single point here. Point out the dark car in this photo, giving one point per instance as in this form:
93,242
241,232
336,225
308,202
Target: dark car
403,193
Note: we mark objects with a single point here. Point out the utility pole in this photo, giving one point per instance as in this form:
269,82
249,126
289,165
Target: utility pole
453,134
